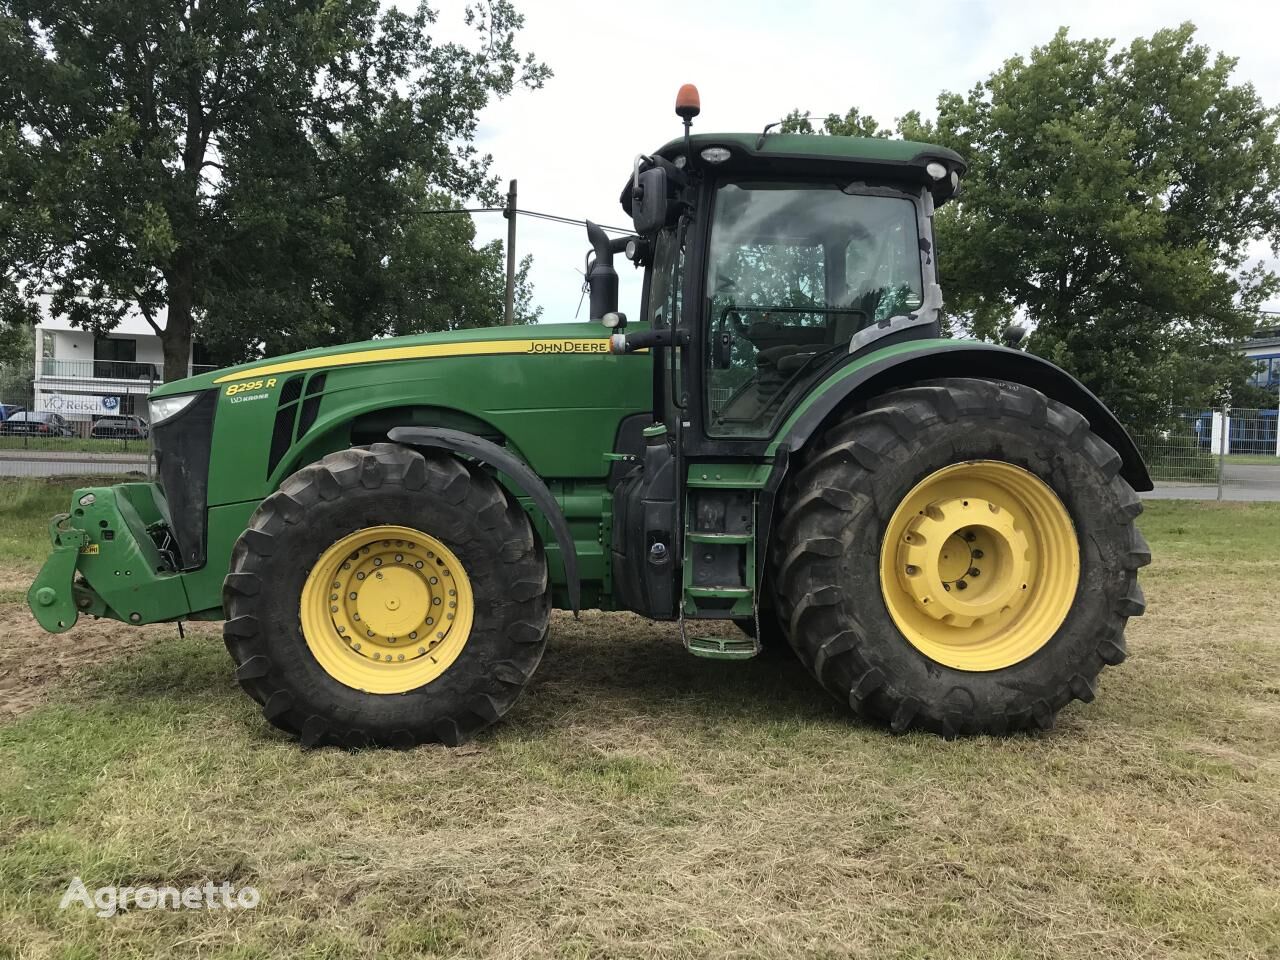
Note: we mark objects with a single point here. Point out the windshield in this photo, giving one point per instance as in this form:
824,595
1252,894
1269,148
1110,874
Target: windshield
793,272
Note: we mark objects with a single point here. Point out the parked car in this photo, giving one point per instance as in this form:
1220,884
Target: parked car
36,424
7,410
120,428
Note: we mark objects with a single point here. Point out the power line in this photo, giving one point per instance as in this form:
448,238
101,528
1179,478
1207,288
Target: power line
552,217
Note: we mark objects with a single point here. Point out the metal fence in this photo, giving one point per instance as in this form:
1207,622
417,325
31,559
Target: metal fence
42,444
1221,454
77,418
36,441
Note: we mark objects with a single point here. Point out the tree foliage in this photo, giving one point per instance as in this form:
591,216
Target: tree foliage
853,124
257,165
1112,199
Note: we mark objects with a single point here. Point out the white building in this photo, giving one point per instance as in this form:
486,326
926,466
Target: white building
81,376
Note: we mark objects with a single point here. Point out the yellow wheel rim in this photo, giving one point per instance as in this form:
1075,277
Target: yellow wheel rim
979,565
387,609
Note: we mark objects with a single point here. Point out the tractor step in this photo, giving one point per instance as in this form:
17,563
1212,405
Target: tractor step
721,537
721,648
712,592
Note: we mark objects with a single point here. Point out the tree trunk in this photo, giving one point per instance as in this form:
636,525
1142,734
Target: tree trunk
176,339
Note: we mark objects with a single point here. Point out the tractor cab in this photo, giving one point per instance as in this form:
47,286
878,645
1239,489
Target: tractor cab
771,261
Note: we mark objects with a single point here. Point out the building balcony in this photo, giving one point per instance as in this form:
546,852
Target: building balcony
114,372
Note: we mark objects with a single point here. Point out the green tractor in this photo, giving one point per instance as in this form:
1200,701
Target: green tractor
781,450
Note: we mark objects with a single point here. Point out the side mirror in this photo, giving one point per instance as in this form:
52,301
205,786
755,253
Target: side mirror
649,201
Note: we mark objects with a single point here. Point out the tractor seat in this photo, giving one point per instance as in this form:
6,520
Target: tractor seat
794,361
777,344
778,356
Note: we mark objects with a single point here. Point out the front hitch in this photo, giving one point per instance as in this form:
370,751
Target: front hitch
52,596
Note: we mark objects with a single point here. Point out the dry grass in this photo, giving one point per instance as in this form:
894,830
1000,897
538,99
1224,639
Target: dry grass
640,803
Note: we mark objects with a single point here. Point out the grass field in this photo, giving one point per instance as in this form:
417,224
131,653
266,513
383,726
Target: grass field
641,803
75,445
1254,459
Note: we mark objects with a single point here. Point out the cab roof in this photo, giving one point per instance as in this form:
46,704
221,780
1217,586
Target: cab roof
806,153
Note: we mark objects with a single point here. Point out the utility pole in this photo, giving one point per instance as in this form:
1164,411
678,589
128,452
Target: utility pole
509,315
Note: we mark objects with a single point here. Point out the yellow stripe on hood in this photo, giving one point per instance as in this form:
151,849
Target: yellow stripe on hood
472,348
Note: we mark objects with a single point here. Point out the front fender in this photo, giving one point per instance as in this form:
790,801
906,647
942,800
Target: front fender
918,360
488,452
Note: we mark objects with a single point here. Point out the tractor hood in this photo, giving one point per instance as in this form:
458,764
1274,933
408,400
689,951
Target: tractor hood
553,394
497,341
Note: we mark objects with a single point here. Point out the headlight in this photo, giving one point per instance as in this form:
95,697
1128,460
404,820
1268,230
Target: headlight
162,408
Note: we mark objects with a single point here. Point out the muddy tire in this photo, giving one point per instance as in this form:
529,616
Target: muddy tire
850,601
309,677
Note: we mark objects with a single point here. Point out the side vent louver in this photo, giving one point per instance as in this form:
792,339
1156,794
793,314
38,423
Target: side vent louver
311,406
282,432
294,418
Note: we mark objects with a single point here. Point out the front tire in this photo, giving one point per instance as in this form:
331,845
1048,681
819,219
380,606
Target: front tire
960,557
384,597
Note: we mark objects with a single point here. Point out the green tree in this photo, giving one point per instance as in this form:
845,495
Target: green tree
259,164
853,124
426,275
1111,200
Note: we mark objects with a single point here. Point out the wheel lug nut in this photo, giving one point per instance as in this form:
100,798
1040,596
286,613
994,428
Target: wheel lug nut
974,572
961,585
977,554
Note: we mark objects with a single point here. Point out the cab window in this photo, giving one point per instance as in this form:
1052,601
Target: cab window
793,272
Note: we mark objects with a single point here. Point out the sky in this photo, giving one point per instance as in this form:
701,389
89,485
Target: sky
618,66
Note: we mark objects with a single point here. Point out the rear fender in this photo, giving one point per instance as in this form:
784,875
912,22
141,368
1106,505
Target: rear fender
916,361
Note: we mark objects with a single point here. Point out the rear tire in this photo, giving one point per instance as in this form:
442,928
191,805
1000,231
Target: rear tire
304,672
830,568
